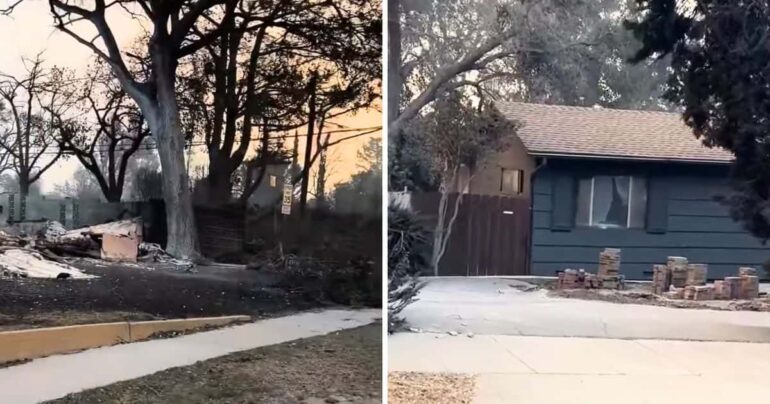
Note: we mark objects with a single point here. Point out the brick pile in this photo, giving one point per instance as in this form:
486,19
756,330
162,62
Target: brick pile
749,282
732,287
609,268
697,274
720,291
689,292
577,279
678,268
676,293
703,292
661,279
608,276
679,279
571,279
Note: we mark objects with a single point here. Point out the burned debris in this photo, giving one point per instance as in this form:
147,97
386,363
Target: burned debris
50,252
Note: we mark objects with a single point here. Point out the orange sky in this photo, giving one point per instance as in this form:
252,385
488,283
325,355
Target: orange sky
30,31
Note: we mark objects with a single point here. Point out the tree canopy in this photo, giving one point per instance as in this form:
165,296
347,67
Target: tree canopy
553,51
720,78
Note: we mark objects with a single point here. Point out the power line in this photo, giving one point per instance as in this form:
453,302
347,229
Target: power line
364,132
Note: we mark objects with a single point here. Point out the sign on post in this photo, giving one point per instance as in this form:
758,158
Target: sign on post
288,194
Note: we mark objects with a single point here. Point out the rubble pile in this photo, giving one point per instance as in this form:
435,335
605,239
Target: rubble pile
23,263
45,255
151,252
679,279
113,241
608,276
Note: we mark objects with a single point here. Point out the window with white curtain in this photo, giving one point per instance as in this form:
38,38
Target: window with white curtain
511,181
611,202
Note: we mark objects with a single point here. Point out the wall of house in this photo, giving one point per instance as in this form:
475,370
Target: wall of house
683,219
486,180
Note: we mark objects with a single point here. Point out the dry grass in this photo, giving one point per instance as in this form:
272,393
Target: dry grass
419,388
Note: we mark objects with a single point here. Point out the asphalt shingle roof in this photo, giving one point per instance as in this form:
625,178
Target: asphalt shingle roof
608,133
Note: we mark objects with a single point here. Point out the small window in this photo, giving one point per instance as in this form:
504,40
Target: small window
463,180
512,182
273,181
611,202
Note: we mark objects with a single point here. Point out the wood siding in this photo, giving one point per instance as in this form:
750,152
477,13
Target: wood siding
697,227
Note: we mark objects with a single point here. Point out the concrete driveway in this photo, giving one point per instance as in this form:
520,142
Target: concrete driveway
545,370
496,306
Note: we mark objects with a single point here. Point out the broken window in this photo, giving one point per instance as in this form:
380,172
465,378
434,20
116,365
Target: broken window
611,202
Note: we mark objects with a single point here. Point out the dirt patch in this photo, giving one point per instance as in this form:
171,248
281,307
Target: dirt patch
20,321
174,334
418,388
145,294
638,295
343,366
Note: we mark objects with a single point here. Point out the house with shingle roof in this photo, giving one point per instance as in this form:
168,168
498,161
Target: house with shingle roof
593,178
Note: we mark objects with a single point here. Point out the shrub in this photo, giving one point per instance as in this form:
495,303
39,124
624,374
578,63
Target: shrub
408,258
353,283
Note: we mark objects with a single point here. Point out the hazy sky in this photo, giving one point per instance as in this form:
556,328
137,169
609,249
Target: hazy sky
30,31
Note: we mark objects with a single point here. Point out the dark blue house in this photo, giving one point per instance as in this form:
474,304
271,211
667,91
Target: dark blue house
635,180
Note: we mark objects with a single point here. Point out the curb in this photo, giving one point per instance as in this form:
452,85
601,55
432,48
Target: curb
19,345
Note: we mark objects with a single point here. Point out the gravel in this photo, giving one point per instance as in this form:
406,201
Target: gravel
419,388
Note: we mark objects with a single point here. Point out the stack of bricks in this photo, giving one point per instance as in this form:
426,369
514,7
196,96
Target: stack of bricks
732,287
680,280
577,279
703,292
570,279
689,293
661,279
677,266
720,291
591,281
749,283
676,293
609,268
697,274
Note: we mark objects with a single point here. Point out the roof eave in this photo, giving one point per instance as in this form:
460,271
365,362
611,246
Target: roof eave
627,158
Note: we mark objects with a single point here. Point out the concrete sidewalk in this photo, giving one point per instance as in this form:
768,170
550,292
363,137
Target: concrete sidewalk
496,306
547,370
56,376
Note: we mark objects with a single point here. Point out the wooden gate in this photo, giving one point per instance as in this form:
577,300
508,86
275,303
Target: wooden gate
490,236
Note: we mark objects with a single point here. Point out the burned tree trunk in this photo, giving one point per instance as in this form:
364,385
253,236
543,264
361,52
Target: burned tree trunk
163,118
